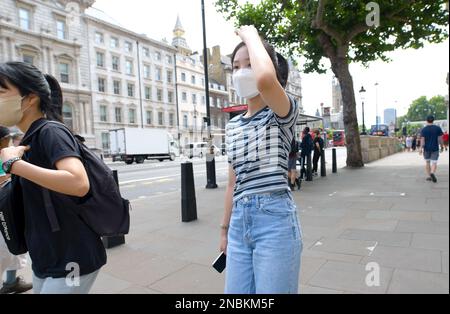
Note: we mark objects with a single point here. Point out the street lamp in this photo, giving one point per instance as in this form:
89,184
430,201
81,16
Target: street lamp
362,93
376,104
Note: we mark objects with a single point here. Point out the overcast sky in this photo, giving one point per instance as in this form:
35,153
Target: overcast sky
413,73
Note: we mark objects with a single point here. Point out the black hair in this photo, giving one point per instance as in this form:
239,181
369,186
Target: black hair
29,80
4,132
430,119
306,130
279,62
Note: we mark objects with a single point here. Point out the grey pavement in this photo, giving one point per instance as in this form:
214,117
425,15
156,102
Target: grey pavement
385,213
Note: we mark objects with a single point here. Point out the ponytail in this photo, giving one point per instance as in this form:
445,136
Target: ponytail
53,109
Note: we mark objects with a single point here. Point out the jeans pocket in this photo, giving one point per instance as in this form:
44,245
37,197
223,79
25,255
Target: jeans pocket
278,206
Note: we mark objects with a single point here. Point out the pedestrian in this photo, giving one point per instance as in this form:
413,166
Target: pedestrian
306,147
292,165
11,264
431,137
408,142
414,143
260,235
318,149
445,140
51,165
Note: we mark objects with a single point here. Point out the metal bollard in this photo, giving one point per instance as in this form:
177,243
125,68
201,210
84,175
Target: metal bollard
334,161
309,176
211,172
323,164
188,199
113,241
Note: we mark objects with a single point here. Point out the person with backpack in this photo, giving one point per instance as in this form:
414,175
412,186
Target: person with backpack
292,165
10,263
306,147
319,146
65,260
260,232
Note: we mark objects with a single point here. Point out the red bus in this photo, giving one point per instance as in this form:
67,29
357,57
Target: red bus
338,138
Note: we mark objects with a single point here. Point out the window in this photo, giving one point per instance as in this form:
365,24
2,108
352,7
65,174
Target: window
130,88
161,118
215,101
114,42
149,116
64,72
116,63
158,74
203,82
101,85
129,67
185,121
118,114
147,73
169,76
169,59
193,80
128,46
100,59
28,59
103,113
218,103
117,87
68,116
194,99
148,93
146,52
99,38
184,96
105,141
25,19
203,100
183,77
61,29
132,116
159,94
170,97
171,119
158,56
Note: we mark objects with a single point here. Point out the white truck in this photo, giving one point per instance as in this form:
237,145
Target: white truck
137,145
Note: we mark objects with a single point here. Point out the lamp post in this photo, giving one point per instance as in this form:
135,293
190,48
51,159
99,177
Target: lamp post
376,104
362,93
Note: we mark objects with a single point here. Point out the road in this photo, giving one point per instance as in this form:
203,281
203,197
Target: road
155,178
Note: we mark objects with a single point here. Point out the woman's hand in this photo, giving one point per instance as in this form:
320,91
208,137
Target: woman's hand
247,32
13,152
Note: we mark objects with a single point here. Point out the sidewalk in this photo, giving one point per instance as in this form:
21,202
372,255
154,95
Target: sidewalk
385,213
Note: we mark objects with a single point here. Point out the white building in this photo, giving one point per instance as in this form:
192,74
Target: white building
133,79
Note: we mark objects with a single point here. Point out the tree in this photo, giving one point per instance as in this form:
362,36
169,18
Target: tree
421,108
343,31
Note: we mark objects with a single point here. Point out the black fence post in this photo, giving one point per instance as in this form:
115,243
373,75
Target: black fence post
334,161
323,164
113,241
211,171
188,199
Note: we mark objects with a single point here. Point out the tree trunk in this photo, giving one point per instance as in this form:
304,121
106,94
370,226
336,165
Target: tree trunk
341,70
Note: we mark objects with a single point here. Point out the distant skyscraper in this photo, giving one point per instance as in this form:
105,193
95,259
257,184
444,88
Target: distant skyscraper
390,116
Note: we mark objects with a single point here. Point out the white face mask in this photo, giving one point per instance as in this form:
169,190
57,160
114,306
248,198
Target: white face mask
244,82
11,110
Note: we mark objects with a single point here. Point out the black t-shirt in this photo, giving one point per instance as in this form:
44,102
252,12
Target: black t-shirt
319,140
51,252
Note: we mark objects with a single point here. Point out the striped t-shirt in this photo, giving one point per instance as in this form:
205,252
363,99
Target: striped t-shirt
258,150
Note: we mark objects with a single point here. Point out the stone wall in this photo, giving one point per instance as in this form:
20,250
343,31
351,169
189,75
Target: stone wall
375,147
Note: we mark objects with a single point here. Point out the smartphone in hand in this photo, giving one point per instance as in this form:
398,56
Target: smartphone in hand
220,263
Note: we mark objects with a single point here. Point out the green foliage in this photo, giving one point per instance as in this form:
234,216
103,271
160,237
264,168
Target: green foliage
288,24
423,107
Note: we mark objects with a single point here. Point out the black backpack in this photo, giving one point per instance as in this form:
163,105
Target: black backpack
12,216
294,147
103,209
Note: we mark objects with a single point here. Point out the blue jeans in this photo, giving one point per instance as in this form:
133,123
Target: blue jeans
264,245
60,286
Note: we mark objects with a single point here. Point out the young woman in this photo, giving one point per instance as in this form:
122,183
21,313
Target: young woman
260,231
51,161
9,262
